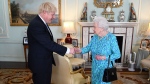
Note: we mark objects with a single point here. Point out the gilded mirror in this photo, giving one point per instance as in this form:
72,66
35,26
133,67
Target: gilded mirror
102,3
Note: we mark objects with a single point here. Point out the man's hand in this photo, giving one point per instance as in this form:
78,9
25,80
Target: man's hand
71,51
77,50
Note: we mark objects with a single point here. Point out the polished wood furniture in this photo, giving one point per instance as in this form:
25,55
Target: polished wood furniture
25,53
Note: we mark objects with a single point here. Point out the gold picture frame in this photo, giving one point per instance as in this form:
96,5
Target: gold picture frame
144,43
21,12
62,41
103,3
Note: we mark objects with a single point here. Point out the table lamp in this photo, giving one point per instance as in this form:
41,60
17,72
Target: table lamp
68,28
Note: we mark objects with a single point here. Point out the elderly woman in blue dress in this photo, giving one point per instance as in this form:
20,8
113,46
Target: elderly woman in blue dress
102,45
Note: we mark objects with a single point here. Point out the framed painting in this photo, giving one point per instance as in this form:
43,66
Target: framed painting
148,44
21,12
144,43
75,42
25,40
60,41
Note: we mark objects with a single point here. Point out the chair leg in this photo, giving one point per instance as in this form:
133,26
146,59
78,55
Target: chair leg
84,65
141,67
89,80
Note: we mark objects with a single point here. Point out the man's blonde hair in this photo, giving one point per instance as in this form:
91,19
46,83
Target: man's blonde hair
48,7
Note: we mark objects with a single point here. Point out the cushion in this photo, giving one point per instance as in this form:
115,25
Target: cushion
145,63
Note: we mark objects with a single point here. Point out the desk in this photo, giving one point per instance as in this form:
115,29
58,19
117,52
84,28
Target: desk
141,54
25,53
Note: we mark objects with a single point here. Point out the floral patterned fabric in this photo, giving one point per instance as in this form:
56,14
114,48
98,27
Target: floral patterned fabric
106,46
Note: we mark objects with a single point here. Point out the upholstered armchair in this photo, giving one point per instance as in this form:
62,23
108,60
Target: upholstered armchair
74,61
63,73
145,63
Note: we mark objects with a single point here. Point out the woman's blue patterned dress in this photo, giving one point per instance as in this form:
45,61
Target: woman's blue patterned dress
105,46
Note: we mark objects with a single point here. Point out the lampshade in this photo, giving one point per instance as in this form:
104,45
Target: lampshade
148,31
68,27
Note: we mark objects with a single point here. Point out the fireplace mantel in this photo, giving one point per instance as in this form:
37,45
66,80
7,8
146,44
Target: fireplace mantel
122,24
124,29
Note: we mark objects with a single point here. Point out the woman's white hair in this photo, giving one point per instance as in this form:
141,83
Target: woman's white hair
101,22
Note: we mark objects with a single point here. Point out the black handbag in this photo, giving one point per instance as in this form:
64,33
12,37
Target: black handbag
110,74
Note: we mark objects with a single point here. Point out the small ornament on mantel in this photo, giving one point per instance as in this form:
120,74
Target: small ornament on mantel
121,16
84,13
93,15
132,17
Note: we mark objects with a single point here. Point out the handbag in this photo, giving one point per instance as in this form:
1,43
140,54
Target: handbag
110,73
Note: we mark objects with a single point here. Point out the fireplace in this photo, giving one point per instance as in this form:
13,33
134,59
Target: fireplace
122,30
121,46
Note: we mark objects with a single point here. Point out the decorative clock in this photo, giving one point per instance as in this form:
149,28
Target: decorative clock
108,13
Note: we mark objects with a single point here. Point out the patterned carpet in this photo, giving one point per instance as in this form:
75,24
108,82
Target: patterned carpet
132,78
23,76
15,76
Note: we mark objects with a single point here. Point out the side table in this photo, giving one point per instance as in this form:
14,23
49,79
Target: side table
25,53
141,54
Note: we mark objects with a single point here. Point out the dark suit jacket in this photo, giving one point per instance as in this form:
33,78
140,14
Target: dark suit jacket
41,46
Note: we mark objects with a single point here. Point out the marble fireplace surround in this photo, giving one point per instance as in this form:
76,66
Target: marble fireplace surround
125,29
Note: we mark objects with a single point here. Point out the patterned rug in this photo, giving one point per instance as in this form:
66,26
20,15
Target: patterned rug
23,76
15,76
132,78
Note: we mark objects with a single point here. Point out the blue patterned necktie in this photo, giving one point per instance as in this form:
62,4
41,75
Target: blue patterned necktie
49,31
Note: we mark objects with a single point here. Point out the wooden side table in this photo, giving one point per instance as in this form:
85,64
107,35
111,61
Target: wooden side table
25,55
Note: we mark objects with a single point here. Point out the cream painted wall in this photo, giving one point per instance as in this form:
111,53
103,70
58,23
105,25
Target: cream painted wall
143,19
11,48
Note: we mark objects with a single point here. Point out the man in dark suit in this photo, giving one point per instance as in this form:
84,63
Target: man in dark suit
42,45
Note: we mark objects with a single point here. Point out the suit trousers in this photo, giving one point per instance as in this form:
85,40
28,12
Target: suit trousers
42,78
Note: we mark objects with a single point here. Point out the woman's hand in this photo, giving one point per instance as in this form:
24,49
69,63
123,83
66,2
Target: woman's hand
98,57
77,50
